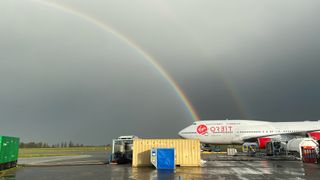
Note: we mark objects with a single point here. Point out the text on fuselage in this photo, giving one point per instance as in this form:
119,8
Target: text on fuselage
221,129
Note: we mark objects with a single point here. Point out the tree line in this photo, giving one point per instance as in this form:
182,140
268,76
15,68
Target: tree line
46,145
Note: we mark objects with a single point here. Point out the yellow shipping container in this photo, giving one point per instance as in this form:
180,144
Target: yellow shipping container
187,151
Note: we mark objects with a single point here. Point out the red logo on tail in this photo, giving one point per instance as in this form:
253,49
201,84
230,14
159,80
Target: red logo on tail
202,129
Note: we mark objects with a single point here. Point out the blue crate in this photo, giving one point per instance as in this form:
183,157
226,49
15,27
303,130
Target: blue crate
163,158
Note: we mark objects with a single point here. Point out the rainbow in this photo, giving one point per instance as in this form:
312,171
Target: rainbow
147,57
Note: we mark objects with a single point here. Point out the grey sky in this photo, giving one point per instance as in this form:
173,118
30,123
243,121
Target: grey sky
62,78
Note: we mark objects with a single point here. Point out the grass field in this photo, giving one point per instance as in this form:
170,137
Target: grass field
3,172
45,152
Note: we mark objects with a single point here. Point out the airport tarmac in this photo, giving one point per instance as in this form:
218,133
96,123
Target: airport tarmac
90,158
48,160
210,170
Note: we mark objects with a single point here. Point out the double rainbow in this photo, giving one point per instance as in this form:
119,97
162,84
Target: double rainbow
147,57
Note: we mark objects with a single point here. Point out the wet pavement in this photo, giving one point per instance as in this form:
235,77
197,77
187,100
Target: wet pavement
95,157
48,160
211,170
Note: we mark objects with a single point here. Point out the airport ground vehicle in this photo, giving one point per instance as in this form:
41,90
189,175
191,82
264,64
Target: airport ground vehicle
9,149
274,148
122,149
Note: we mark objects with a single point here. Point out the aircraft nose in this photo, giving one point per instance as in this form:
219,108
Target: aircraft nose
181,134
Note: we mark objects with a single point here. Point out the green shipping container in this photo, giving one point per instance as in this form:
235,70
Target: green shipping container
9,149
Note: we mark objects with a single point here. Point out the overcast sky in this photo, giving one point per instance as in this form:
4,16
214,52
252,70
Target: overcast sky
63,78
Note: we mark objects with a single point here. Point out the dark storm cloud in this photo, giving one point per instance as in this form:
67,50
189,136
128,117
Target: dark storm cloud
277,78
85,86
62,78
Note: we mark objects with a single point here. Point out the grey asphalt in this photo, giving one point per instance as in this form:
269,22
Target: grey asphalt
47,160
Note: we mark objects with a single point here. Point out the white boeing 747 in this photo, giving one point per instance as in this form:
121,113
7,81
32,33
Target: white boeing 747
241,131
